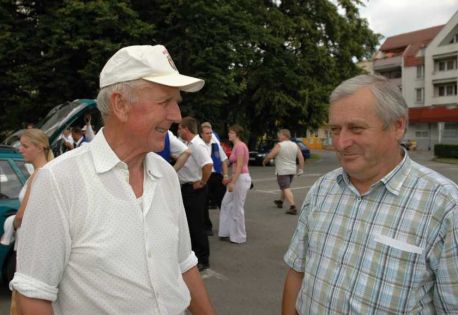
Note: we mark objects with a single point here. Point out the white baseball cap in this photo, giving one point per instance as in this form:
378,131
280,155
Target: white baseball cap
151,63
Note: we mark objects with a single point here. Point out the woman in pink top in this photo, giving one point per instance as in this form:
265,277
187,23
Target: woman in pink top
232,216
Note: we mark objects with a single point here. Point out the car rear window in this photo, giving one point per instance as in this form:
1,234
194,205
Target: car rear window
10,185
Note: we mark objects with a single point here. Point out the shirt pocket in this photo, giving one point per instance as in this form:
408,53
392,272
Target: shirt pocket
397,244
390,274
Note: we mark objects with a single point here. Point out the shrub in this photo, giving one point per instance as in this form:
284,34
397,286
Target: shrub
446,150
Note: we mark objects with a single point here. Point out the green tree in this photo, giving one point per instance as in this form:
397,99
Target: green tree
267,64
53,52
211,40
314,48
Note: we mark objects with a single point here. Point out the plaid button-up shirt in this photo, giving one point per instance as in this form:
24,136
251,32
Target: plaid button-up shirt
392,250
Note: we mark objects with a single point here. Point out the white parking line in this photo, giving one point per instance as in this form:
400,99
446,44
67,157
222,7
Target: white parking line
276,191
210,273
266,179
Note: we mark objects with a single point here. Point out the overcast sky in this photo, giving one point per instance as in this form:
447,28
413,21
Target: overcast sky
393,17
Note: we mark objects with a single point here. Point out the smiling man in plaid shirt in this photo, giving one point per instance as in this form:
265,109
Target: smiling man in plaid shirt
378,235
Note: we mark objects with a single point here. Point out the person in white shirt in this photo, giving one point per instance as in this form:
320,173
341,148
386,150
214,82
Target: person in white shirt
79,137
285,153
87,129
105,231
193,178
67,141
175,151
36,150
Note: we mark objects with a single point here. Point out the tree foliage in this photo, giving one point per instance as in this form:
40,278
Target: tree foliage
267,64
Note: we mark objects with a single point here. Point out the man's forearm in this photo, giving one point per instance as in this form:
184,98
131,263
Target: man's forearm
206,172
181,160
200,302
29,306
291,289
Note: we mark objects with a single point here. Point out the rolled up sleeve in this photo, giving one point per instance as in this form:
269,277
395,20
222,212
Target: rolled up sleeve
444,261
44,243
295,256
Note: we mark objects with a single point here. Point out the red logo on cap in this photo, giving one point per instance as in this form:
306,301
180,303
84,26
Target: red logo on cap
172,64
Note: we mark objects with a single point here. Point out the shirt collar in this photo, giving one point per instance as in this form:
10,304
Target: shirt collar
106,159
392,181
152,165
193,140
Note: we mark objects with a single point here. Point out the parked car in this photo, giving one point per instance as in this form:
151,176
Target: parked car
60,117
264,147
304,149
260,151
14,172
226,147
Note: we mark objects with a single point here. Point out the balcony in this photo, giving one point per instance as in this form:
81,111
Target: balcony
387,63
396,81
445,100
444,75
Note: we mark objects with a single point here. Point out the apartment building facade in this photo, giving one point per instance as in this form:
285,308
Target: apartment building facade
424,64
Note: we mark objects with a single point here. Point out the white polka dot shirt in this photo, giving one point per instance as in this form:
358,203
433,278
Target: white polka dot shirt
87,245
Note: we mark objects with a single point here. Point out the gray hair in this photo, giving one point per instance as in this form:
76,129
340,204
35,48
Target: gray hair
127,89
389,102
285,132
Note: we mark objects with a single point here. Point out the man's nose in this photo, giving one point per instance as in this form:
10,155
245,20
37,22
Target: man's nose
174,112
342,140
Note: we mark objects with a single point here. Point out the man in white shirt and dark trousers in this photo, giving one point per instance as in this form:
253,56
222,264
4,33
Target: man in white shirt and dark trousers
193,178
105,230
216,187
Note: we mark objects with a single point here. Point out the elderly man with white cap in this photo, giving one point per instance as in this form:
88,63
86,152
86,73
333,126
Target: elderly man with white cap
105,231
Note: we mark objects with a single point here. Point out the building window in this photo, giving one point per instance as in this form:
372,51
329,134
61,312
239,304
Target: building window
420,72
419,95
394,74
451,130
454,39
448,89
421,134
445,64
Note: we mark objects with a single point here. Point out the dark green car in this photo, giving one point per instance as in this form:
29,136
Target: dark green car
14,172
60,117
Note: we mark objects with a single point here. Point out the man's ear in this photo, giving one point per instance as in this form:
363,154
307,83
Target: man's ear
119,107
401,128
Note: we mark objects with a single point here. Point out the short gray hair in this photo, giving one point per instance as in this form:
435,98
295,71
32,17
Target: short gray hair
285,132
127,89
389,102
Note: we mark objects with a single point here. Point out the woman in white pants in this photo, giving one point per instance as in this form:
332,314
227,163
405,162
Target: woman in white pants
232,216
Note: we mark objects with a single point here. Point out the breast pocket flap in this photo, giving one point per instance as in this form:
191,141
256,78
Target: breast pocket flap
401,245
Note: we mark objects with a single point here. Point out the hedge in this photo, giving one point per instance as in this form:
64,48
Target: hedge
446,151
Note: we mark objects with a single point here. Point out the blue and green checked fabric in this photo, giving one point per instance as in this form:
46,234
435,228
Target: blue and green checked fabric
392,250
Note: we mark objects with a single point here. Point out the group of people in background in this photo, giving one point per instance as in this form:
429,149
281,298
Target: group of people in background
74,137
114,228
203,171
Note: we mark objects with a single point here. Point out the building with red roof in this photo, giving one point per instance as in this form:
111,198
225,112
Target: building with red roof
424,64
